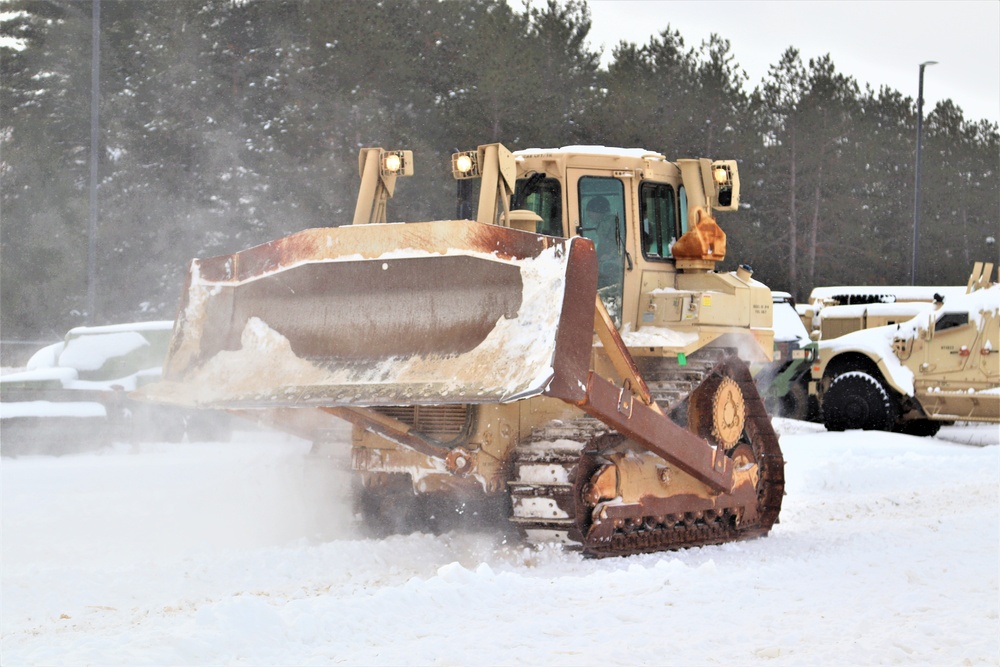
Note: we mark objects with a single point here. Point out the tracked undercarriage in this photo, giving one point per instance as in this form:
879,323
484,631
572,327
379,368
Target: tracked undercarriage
559,491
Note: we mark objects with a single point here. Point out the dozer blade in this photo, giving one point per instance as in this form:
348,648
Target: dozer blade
386,314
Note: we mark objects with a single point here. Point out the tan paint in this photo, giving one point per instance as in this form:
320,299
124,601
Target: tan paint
956,370
687,297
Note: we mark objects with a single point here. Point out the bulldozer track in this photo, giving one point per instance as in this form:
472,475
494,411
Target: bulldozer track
554,464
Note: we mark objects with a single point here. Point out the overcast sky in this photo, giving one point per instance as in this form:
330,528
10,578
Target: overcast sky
880,42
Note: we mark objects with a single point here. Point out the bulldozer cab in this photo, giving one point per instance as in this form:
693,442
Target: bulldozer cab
596,205
634,205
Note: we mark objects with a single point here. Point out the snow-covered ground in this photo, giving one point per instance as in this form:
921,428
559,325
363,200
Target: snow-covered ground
247,553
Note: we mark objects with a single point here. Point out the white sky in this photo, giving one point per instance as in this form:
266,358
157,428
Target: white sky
881,42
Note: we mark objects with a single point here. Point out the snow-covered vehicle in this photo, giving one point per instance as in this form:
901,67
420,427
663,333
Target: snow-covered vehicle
79,387
784,382
941,366
833,311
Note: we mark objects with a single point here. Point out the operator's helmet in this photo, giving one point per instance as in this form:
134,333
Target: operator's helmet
598,205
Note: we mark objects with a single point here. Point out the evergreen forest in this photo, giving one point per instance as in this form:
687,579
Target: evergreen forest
228,123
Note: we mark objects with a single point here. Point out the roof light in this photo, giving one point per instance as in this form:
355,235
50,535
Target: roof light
396,163
465,164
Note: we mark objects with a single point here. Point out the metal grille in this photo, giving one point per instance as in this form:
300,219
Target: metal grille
441,422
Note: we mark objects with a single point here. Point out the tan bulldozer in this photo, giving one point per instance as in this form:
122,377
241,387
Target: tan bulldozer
568,364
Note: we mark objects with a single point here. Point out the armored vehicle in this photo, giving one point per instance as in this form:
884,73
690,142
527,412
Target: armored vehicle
941,366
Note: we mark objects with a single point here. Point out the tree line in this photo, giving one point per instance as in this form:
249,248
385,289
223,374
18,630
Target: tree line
227,123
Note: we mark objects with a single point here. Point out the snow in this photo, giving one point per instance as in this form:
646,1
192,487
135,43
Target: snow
65,376
649,336
127,327
641,153
11,410
92,352
891,292
788,325
246,553
904,309
47,357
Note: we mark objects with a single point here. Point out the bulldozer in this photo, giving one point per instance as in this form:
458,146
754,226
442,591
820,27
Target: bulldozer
568,364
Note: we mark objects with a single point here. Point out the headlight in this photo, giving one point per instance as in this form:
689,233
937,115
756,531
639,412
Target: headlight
396,163
465,164
727,185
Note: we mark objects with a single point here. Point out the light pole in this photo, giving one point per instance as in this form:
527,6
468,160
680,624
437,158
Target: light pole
95,105
916,187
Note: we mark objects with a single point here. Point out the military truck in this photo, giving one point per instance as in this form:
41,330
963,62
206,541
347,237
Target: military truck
74,394
784,381
832,312
567,364
837,310
941,366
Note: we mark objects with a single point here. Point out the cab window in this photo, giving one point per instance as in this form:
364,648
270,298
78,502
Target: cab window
602,209
543,196
602,220
658,212
682,197
951,320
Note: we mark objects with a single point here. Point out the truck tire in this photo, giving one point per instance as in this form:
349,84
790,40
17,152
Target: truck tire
857,400
795,404
922,428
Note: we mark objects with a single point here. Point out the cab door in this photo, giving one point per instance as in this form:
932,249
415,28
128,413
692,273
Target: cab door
954,344
597,207
989,347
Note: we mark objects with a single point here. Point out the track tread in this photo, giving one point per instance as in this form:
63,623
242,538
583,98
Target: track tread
575,450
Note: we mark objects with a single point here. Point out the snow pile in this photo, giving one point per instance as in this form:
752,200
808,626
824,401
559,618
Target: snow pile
649,336
246,553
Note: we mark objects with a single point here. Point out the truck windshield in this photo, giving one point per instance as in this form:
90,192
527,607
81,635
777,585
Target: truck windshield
543,196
